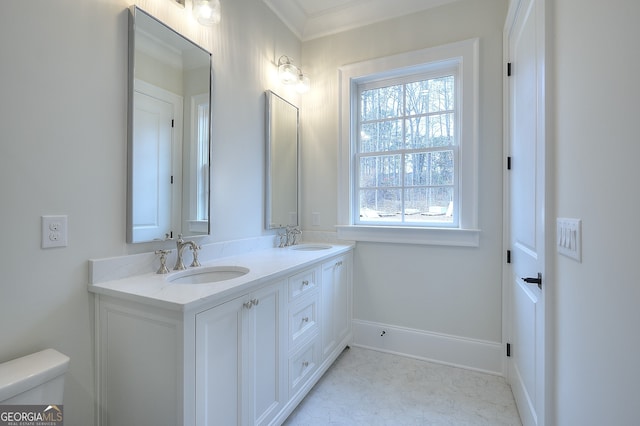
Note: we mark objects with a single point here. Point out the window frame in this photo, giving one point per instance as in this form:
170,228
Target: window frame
464,57
431,74
198,220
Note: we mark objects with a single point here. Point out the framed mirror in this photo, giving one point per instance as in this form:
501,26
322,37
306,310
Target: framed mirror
282,121
169,132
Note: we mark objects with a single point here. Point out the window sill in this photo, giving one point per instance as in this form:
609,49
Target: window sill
455,237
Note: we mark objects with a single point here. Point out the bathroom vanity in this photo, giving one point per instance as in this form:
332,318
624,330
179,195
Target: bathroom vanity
239,351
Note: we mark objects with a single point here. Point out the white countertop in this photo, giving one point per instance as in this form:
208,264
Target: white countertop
264,265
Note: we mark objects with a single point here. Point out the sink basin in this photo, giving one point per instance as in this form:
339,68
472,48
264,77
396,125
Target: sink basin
310,247
210,274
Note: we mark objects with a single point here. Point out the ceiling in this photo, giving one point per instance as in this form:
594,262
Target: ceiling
310,19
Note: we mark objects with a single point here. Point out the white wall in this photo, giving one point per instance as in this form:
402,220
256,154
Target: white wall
597,64
63,151
455,291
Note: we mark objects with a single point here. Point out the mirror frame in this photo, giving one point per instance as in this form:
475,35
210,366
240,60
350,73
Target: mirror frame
270,164
176,205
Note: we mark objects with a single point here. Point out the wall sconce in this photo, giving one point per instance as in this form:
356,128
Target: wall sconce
289,74
304,84
207,12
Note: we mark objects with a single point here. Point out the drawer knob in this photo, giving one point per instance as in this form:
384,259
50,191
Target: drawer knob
251,303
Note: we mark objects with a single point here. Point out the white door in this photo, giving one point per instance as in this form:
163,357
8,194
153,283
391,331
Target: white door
152,159
525,53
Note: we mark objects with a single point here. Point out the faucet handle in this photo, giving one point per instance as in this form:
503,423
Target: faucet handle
163,261
296,232
194,248
281,237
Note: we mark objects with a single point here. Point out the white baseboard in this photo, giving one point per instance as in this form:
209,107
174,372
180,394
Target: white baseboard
479,355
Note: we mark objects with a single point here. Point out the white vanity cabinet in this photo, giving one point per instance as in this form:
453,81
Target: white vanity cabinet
239,359
245,358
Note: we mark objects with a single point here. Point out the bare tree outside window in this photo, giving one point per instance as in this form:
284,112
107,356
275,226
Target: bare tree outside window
407,151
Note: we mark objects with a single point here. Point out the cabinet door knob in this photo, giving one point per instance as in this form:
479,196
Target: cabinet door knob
305,364
251,303
305,319
305,283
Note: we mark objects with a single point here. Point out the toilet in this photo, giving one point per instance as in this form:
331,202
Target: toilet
36,379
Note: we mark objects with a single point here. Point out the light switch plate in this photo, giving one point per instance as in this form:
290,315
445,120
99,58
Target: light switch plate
569,237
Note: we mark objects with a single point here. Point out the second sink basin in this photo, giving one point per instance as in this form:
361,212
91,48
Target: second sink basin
210,274
310,247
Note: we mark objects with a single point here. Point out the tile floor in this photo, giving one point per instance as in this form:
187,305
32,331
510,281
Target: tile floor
366,387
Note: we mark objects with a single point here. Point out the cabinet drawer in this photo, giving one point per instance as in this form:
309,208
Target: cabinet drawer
302,365
303,283
303,319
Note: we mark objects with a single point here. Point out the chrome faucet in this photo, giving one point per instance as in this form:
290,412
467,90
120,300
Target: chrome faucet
290,237
181,245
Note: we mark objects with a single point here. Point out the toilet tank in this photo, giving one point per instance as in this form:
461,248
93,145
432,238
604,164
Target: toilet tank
37,378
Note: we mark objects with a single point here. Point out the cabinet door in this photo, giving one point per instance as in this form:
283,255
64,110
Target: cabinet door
336,303
342,300
264,387
218,364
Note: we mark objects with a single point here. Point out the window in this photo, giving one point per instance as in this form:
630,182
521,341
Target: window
202,160
408,168
199,158
406,151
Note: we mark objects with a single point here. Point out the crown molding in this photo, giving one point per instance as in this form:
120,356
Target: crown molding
309,21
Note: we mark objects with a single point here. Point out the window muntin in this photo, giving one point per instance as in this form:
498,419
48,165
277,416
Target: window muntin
406,151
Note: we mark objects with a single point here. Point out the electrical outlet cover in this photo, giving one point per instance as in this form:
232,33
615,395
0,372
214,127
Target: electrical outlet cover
54,231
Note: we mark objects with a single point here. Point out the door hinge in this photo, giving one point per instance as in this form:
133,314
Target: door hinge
508,69
508,256
508,349
508,163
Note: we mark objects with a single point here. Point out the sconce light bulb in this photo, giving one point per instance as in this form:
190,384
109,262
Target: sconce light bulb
207,12
304,84
288,73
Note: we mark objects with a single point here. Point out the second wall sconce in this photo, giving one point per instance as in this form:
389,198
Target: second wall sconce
207,12
289,74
